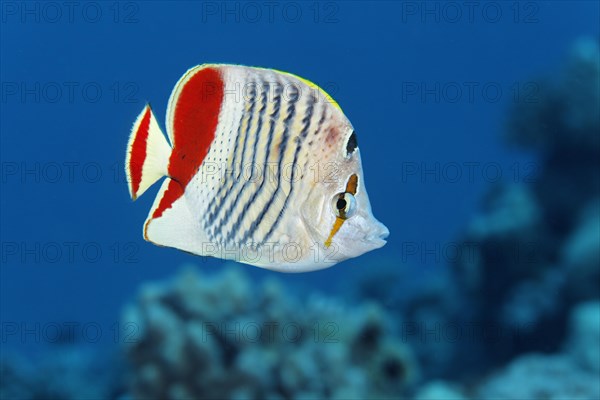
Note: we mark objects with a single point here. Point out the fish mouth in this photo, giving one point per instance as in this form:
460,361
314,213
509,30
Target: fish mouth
377,237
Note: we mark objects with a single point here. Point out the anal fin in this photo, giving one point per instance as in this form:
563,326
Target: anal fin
171,224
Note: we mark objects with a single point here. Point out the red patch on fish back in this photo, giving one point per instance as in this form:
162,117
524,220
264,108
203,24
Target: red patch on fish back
138,152
195,120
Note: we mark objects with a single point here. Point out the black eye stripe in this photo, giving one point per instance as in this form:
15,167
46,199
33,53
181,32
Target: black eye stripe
352,143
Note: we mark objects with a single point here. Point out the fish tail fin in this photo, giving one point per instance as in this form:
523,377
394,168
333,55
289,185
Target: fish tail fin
148,153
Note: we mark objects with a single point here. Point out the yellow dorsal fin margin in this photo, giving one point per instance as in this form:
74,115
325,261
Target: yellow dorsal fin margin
313,86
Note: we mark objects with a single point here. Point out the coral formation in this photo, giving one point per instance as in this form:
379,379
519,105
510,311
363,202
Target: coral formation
581,255
439,390
572,374
584,339
202,337
536,376
563,116
535,246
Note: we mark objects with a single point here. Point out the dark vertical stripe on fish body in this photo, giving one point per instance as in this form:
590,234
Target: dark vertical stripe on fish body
320,124
273,117
216,202
225,189
299,142
220,205
282,149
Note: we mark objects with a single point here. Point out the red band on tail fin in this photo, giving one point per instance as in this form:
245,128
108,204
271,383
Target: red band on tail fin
148,152
138,152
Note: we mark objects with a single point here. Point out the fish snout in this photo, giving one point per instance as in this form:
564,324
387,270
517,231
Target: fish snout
377,234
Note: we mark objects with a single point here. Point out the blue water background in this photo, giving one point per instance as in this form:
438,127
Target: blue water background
364,53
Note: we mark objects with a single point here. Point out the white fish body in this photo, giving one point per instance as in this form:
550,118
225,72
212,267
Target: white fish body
263,168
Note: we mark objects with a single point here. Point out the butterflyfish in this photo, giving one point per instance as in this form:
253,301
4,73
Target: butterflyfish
261,167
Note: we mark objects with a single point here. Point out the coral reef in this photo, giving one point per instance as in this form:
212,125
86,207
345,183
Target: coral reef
563,115
439,390
536,376
581,255
572,374
202,337
535,247
563,126
584,338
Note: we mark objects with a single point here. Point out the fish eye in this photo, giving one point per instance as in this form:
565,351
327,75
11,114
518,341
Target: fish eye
344,205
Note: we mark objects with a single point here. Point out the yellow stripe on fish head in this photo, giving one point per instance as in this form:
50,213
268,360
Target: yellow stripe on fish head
351,187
